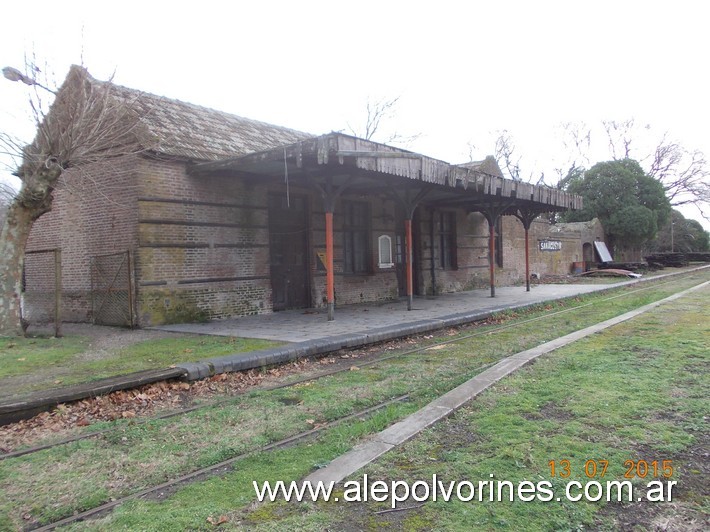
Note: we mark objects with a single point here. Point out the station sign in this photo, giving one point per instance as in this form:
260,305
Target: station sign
550,245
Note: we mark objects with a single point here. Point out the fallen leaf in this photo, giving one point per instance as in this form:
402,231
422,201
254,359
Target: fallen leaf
310,421
128,414
216,522
20,359
354,368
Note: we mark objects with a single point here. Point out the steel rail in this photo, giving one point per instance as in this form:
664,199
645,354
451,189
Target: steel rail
240,393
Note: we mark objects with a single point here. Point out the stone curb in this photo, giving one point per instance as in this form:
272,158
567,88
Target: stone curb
20,407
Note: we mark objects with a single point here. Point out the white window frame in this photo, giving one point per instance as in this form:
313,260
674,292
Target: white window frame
384,261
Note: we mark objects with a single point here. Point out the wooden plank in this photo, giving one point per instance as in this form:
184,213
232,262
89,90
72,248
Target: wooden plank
377,154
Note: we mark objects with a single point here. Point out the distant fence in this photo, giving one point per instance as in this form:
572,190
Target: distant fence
42,288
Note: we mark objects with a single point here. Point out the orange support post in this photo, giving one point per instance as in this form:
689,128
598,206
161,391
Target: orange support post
329,274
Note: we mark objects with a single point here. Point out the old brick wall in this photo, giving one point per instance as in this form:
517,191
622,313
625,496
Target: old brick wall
571,238
93,213
471,269
203,245
472,240
379,284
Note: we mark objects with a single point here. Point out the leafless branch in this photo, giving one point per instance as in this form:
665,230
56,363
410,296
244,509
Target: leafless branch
379,112
683,173
86,123
620,136
577,141
505,152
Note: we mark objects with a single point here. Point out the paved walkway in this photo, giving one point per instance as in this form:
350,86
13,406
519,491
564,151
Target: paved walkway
304,325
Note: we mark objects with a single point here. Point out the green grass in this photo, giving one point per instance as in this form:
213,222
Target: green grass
632,392
161,353
49,362
57,482
22,356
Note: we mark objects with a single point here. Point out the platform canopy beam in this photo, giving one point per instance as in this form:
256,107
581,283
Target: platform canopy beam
330,195
492,211
408,198
526,217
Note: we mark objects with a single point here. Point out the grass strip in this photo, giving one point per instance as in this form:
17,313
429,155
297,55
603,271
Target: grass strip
55,483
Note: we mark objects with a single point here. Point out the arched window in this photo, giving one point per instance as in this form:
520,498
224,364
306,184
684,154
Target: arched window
384,245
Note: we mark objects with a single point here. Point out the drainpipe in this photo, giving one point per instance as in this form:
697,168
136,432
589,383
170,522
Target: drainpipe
329,274
410,258
492,254
432,261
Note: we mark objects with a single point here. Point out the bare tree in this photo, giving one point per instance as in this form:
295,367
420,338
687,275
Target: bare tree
85,123
576,139
682,172
378,113
4,202
506,153
620,136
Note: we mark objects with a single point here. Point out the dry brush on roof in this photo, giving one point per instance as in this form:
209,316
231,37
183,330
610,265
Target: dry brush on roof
194,132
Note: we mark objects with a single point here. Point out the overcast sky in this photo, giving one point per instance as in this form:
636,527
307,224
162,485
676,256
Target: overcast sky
463,70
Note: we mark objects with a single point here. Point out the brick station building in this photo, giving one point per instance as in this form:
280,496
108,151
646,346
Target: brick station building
227,216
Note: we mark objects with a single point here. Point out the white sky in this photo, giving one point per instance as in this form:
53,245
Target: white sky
464,69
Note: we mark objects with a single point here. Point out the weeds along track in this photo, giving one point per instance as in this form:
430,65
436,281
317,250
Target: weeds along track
378,359
166,488
404,384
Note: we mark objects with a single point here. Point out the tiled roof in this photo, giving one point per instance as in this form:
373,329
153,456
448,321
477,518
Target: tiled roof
186,130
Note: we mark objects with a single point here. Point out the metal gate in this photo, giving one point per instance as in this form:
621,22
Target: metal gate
112,289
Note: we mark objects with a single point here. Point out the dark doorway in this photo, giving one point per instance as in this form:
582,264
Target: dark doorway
288,245
587,255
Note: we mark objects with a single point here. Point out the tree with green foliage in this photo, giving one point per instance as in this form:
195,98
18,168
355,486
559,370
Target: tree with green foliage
630,204
681,234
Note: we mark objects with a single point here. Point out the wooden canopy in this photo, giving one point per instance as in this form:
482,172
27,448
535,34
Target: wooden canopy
336,162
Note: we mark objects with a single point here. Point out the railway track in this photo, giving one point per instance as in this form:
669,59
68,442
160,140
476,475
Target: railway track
216,469
328,373
225,465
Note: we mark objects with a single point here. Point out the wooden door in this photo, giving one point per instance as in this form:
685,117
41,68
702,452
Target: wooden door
288,244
